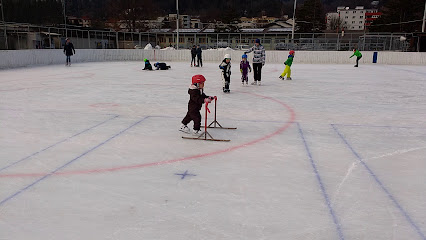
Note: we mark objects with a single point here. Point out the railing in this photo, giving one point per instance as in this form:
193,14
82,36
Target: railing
27,36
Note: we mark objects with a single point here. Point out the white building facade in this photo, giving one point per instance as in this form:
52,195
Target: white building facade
354,19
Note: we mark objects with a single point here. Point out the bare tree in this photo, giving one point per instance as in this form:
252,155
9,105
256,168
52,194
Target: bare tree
335,22
132,12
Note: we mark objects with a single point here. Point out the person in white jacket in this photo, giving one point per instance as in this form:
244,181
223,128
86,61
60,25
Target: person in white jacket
258,61
225,65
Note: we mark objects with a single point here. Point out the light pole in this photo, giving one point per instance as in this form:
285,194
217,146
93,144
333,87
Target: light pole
294,21
177,24
424,19
65,18
4,25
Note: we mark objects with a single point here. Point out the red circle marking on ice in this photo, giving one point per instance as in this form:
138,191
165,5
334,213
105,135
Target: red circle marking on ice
142,165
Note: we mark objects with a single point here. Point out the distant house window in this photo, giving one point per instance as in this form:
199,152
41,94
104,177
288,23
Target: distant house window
352,27
202,40
346,17
361,16
346,22
354,11
353,16
353,21
360,22
362,11
360,27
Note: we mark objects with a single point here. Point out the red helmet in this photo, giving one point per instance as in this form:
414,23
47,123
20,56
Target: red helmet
291,52
198,79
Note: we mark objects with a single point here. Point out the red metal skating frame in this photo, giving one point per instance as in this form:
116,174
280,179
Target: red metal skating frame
206,133
215,122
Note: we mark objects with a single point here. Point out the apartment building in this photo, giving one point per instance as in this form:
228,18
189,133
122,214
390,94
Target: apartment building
354,19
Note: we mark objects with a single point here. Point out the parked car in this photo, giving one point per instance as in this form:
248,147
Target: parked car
242,47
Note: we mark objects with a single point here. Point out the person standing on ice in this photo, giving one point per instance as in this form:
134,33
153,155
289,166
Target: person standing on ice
199,59
244,68
258,61
358,56
226,72
288,63
193,55
196,100
68,51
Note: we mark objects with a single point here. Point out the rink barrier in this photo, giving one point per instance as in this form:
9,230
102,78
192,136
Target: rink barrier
24,58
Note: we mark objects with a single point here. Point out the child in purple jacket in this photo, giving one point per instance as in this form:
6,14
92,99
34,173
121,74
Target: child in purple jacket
244,68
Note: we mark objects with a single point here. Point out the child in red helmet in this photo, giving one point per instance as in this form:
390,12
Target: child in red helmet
288,63
196,100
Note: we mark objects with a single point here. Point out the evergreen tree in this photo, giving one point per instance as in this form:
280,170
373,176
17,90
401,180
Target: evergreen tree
36,12
310,17
396,12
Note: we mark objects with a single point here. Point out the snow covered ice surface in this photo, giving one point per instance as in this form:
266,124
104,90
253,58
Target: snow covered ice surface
93,151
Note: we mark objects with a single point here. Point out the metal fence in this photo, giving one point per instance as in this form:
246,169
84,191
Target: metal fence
27,36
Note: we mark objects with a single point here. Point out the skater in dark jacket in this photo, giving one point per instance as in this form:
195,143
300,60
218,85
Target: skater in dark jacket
148,65
193,55
69,51
199,59
161,66
196,100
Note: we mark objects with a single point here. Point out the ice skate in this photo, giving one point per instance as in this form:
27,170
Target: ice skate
281,77
259,83
288,78
254,83
356,66
242,84
246,83
185,129
197,132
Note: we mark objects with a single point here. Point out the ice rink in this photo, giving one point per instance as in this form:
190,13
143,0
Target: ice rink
93,152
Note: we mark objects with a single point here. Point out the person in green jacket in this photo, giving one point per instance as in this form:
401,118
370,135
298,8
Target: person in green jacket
287,63
358,56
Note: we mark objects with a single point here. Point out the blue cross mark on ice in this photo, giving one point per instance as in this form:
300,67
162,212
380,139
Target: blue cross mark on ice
185,174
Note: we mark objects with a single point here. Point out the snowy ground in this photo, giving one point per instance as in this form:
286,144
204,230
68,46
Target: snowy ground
93,152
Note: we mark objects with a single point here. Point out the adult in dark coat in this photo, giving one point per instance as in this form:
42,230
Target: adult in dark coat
199,59
68,51
193,55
